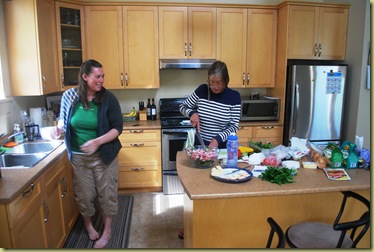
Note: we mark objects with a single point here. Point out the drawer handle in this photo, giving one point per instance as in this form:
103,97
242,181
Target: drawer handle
28,192
136,131
267,127
137,169
137,145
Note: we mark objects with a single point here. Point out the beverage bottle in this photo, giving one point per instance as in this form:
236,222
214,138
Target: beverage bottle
153,110
232,150
149,113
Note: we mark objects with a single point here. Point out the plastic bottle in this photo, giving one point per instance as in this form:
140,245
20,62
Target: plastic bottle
153,110
17,138
232,150
149,113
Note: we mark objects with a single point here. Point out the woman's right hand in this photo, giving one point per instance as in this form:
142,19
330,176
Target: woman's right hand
195,121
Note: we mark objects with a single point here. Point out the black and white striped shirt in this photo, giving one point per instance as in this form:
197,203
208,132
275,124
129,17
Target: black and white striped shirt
219,115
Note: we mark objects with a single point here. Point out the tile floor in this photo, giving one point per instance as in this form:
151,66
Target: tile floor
156,221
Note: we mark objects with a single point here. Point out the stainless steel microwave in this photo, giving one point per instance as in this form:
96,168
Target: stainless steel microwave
263,109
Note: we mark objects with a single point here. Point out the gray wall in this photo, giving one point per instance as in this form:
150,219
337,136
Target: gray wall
179,83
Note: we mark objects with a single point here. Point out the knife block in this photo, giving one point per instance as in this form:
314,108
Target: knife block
142,115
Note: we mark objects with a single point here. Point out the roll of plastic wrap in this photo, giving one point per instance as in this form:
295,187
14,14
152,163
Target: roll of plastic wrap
36,116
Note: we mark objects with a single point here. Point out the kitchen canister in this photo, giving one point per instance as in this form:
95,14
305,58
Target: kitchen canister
36,115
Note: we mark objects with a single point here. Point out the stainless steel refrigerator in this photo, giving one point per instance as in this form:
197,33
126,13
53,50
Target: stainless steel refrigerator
314,107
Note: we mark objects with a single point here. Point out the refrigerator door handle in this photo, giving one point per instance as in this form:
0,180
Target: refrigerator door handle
295,108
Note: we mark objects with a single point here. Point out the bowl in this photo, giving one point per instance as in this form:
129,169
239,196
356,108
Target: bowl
47,133
202,156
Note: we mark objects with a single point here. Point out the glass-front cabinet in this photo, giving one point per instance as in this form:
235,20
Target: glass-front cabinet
70,42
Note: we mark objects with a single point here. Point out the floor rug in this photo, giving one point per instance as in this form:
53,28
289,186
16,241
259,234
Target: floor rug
121,224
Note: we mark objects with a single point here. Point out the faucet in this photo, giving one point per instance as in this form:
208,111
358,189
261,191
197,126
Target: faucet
9,137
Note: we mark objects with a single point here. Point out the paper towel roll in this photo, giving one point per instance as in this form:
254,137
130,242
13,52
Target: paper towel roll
36,116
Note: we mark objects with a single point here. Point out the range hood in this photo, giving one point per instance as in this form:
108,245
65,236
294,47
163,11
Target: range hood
186,63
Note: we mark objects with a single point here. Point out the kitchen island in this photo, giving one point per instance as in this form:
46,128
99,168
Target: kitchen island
233,215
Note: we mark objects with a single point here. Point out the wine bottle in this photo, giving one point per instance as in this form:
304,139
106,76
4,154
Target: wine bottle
154,111
149,113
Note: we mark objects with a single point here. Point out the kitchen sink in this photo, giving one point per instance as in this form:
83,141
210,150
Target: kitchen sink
34,147
27,155
12,161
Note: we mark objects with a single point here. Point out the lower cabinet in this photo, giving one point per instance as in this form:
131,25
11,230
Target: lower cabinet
43,214
140,160
264,133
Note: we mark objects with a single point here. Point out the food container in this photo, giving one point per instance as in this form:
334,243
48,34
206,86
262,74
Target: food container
201,156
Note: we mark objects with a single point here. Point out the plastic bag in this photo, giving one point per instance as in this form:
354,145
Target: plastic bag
274,156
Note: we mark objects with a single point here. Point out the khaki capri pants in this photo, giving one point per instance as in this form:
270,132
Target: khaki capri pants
91,178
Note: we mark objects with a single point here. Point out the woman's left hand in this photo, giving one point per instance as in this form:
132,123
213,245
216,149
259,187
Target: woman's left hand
89,147
213,143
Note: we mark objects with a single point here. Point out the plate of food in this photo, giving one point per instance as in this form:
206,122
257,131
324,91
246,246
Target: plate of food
231,175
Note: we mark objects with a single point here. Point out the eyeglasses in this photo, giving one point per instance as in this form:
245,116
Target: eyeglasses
218,83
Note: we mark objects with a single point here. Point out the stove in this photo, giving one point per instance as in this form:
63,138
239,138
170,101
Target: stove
170,115
174,130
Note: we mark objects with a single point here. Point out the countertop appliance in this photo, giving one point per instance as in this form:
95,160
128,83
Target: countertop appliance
260,109
315,103
174,130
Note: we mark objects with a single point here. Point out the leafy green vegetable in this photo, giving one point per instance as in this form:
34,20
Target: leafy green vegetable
278,175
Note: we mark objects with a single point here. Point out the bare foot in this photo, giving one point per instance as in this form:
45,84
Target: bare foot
92,233
103,241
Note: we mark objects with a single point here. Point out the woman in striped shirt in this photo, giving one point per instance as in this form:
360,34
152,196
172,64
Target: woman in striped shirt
214,108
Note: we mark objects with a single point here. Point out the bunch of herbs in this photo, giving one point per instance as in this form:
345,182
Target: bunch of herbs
278,175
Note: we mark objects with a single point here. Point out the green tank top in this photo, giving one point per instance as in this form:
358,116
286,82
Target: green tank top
84,124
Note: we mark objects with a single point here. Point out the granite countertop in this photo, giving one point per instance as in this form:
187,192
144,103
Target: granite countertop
15,181
198,183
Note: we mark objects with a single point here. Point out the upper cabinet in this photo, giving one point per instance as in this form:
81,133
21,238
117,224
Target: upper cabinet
70,39
250,57
125,40
31,43
187,32
317,32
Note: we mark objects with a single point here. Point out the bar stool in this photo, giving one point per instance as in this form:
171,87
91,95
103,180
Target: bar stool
275,228
322,235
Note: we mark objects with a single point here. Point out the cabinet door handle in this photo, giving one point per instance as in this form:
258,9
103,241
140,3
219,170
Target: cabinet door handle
185,49
28,192
121,79
44,82
190,49
137,169
64,184
243,79
127,79
320,50
241,127
248,78
62,81
137,145
315,49
136,131
267,127
46,210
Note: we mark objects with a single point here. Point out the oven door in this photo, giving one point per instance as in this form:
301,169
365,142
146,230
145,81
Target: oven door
172,141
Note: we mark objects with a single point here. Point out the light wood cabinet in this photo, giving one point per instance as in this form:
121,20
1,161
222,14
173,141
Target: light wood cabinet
140,160
187,32
250,57
125,40
244,135
317,32
32,46
70,41
42,215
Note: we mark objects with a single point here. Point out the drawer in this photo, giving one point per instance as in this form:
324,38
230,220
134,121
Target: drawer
135,136
275,141
139,179
144,154
244,133
267,131
24,202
